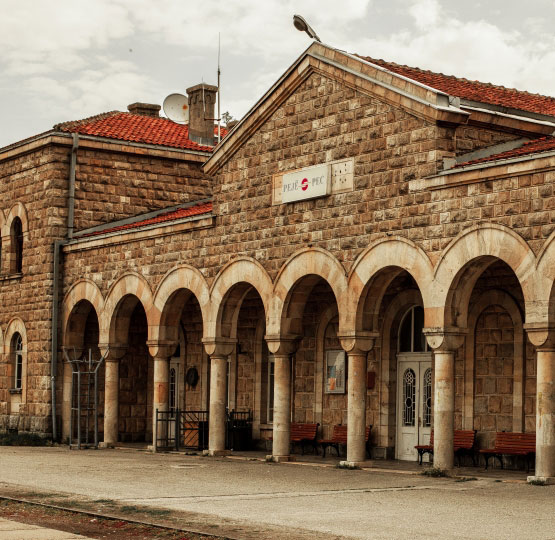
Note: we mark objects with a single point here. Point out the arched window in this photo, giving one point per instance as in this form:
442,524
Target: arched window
411,338
17,246
17,352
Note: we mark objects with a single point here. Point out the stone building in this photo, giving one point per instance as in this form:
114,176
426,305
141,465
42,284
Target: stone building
372,244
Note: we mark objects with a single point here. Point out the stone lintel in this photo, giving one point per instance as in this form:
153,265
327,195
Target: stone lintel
442,339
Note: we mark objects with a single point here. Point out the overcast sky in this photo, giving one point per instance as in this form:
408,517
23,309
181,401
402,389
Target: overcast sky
68,59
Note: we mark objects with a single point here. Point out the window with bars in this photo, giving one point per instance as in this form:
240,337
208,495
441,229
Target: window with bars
427,398
409,402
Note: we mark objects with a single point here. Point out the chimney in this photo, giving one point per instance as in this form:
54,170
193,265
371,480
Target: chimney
201,113
144,109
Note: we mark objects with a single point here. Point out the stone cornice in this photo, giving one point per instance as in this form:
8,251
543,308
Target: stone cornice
481,172
133,235
100,144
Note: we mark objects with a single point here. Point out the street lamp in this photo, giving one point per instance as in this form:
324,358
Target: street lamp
302,26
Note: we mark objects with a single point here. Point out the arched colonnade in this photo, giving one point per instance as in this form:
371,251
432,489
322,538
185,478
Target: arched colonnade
445,287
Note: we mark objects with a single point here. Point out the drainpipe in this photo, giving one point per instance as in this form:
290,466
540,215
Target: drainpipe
56,279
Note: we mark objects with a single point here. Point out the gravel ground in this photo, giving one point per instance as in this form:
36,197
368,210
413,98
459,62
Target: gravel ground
253,499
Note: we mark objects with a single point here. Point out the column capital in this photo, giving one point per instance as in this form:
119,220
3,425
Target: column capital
541,335
219,346
112,351
282,345
358,342
442,339
161,348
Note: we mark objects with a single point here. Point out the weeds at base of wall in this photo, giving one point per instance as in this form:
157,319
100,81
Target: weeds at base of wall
435,473
537,482
23,439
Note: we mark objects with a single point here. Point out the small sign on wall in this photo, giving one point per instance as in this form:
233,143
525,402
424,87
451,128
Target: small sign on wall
313,182
335,372
306,184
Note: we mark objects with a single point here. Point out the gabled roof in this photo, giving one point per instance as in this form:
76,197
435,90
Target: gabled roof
160,217
125,126
474,90
538,146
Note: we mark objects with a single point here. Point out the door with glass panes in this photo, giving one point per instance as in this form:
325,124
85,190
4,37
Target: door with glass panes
414,386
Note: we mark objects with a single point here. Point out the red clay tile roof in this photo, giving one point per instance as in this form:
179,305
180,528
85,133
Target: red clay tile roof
474,90
545,144
161,219
126,126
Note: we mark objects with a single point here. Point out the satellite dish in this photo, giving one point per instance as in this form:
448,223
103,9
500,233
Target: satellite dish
176,108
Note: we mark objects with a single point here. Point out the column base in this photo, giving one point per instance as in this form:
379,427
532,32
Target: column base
216,453
543,480
351,464
107,445
279,459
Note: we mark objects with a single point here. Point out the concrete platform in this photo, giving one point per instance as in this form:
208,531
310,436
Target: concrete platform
309,498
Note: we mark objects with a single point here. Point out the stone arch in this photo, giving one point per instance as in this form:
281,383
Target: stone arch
128,285
3,231
306,266
228,291
495,297
81,291
375,268
171,294
17,210
546,279
15,325
466,258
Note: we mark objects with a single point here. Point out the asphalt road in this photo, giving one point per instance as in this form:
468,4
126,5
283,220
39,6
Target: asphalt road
298,500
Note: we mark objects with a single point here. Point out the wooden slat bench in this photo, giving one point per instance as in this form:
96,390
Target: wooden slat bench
511,444
463,445
339,437
303,434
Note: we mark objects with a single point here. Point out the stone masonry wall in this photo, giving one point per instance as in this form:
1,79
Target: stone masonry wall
114,185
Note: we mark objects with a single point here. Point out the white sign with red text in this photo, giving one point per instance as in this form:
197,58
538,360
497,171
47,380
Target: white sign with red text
306,184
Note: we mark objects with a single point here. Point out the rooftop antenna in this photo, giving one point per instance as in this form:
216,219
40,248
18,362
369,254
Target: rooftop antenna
302,26
219,97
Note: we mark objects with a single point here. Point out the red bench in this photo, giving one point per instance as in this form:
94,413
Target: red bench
463,444
339,437
303,434
511,444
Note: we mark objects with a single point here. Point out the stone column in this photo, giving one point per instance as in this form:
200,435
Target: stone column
544,340
357,347
218,349
444,343
160,396
545,415
111,393
282,349
160,350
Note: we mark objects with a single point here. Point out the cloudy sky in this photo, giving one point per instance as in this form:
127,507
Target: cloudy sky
69,59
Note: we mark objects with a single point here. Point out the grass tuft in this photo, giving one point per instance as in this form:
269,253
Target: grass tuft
435,472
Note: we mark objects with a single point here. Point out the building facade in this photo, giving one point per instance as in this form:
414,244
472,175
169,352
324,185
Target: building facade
371,244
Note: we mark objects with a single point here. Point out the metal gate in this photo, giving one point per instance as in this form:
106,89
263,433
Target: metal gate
188,430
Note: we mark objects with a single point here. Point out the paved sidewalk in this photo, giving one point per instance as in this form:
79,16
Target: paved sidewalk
249,499
13,530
